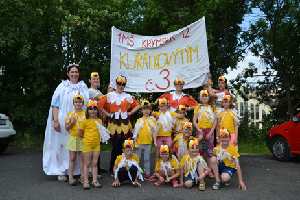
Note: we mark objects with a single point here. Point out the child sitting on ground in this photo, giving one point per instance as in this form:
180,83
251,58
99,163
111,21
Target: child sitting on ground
127,166
181,140
226,162
144,133
193,167
167,168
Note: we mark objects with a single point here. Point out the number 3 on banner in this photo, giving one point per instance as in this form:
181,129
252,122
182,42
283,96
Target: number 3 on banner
166,77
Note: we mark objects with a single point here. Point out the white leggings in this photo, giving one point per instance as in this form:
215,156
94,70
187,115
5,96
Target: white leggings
147,150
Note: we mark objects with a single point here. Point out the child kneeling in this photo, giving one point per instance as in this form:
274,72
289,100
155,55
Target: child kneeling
193,167
226,162
127,166
167,168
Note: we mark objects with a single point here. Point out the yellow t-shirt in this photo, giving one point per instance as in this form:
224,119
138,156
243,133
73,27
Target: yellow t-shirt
79,117
143,136
184,162
232,151
179,123
173,163
204,123
160,131
91,134
228,122
119,158
176,139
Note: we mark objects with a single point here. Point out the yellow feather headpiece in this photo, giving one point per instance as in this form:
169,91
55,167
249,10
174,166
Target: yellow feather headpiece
181,107
91,103
164,148
193,142
178,80
163,100
94,74
226,97
223,132
188,125
145,102
128,143
222,78
121,79
204,92
78,96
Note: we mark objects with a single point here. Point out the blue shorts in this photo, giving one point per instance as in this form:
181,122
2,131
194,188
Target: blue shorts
189,177
225,169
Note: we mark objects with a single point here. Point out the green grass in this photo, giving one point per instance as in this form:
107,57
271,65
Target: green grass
34,142
253,147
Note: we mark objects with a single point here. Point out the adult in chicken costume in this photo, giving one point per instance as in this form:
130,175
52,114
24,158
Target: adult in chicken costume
177,97
116,105
55,154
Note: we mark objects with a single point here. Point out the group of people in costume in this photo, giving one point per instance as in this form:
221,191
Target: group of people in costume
76,125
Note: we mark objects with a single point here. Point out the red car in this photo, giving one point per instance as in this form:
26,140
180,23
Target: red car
284,140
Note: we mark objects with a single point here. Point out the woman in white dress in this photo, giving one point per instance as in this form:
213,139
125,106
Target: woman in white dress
55,154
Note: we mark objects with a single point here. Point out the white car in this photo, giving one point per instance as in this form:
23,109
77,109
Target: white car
7,132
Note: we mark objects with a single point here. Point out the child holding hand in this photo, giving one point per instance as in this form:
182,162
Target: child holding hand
92,131
193,167
127,166
226,162
229,119
205,122
74,143
167,168
144,134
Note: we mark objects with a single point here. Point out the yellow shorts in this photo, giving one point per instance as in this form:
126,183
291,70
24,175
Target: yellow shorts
87,149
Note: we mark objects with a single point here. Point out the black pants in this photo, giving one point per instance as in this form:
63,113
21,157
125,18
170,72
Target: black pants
116,150
123,173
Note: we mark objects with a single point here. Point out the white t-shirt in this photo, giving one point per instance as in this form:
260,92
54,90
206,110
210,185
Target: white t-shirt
94,93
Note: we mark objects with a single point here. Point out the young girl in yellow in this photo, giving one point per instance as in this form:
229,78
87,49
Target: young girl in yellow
181,140
193,167
205,122
93,132
228,118
165,124
180,121
167,167
144,133
74,143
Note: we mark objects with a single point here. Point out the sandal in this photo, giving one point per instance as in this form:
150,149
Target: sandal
216,185
227,183
86,185
81,179
202,186
72,181
62,178
175,184
211,175
96,184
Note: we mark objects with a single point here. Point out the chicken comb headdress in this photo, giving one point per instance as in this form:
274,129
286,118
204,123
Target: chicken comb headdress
78,96
145,102
223,132
178,80
222,78
163,100
164,148
188,125
94,74
226,97
128,143
204,92
121,79
193,142
91,103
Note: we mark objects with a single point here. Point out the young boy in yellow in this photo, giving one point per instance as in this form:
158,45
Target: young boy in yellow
193,167
127,166
144,133
226,162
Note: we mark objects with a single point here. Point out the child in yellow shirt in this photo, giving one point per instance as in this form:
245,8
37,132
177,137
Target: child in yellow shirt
92,131
74,143
167,168
226,162
144,134
181,140
193,167
205,122
228,118
127,166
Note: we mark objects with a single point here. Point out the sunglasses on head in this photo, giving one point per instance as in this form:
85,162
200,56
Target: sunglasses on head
119,83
